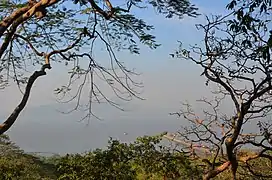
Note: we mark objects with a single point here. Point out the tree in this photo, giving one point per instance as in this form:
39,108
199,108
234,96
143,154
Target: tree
236,60
16,164
145,158
45,32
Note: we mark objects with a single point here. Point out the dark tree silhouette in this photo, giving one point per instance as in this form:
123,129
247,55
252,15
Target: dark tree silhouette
236,60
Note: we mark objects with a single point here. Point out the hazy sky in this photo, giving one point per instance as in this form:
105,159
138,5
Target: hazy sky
167,83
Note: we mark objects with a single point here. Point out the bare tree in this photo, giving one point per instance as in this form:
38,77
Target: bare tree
235,58
46,32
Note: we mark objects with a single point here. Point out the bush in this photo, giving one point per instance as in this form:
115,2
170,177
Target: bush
143,159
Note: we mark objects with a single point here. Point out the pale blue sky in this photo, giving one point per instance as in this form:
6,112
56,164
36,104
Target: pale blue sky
167,82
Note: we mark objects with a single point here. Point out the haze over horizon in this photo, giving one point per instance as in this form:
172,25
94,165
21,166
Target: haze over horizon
167,83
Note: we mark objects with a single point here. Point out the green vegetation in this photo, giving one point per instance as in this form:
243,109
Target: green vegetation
15,164
235,60
234,57
143,159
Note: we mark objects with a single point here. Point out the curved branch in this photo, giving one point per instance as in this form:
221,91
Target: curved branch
30,44
216,171
12,118
6,22
25,14
106,15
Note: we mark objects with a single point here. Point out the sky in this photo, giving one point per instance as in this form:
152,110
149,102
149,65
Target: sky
167,83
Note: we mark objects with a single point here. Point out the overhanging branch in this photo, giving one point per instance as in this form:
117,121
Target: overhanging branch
12,118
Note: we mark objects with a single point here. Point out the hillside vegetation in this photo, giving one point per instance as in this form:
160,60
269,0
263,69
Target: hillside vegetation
145,158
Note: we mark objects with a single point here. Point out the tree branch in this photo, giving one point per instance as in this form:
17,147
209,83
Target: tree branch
12,118
215,172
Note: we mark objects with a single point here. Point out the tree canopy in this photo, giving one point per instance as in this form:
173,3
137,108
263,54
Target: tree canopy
235,57
46,32
236,60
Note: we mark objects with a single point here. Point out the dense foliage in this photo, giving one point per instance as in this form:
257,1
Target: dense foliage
145,158
235,58
15,164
